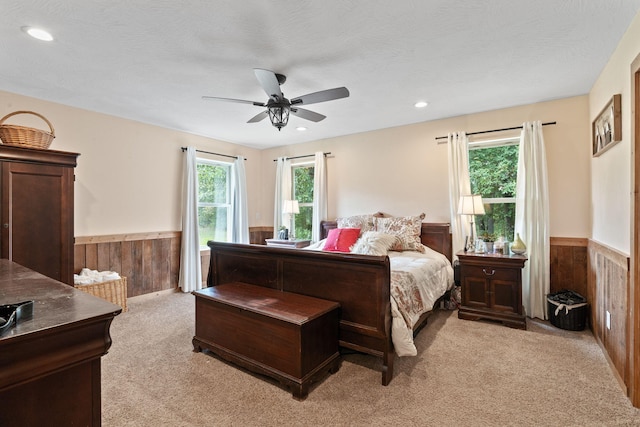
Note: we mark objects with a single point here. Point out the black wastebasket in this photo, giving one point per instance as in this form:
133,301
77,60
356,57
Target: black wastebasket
567,310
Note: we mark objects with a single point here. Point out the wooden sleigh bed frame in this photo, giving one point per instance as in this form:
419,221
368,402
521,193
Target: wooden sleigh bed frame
360,283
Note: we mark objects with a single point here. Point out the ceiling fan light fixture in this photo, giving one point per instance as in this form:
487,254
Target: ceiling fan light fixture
278,107
279,115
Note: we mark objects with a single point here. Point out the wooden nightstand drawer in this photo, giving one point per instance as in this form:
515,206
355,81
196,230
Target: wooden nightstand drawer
492,272
492,288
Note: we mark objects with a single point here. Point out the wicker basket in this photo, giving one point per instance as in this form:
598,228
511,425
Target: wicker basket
114,291
24,136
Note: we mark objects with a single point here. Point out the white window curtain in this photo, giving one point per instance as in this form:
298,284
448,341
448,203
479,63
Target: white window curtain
320,208
190,277
240,231
532,218
459,185
282,193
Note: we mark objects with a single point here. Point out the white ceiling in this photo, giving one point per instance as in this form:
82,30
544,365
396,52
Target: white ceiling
151,61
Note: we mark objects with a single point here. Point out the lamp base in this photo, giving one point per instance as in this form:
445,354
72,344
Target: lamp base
471,246
283,234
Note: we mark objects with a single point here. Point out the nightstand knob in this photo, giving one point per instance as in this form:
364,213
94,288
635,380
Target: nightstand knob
484,270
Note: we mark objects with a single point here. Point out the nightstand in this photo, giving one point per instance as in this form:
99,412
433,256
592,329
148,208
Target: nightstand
288,243
492,288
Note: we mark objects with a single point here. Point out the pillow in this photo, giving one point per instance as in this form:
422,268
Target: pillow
341,239
363,222
374,243
406,228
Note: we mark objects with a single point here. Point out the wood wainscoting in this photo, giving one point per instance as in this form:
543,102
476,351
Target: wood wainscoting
608,291
257,235
602,275
150,261
568,257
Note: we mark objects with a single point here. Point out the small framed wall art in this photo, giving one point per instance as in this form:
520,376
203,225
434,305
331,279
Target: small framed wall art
607,127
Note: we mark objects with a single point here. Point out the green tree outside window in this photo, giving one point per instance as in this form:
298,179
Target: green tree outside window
214,206
493,173
303,193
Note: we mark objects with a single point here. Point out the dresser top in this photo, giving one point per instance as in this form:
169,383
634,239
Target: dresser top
34,155
55,303
491,259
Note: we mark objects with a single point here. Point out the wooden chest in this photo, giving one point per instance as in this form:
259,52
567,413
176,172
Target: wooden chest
290,337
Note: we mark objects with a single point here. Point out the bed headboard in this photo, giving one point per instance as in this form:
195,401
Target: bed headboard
436,235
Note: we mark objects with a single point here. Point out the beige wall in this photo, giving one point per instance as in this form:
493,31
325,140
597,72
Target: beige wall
403,170
611,172
129,174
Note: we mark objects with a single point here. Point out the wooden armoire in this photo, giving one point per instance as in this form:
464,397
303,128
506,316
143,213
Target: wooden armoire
36,191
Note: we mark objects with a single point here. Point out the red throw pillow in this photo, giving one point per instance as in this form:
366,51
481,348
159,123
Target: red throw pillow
341,239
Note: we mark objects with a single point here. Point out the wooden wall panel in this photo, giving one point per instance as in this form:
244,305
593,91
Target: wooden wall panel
103,256
568,257
608,289
92,256
147,266
174,254
127,260
257,235
150,261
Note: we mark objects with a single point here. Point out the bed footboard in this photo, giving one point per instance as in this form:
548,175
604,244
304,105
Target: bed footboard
361,284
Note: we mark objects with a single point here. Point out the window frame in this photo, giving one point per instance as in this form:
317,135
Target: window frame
298,165
229,169
494,143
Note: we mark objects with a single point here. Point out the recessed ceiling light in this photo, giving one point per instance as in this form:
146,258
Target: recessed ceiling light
301,128
38,33
420,104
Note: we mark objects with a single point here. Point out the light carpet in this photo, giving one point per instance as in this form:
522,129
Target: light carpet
466,374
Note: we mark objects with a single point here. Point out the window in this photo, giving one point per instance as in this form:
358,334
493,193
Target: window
214,201
493,168
302,177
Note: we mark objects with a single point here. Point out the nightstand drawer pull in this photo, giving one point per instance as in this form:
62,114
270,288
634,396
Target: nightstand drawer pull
484,270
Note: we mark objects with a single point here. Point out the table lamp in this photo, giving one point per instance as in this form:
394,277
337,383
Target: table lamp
471,205
291,208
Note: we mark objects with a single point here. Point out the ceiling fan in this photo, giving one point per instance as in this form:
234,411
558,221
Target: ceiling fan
279,107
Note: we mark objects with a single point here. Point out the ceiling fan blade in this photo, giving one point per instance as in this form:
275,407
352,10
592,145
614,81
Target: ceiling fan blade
306,114
242,101
322,96
258,117
269,83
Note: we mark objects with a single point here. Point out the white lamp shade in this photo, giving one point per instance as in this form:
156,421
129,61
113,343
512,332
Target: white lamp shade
471,205
291,207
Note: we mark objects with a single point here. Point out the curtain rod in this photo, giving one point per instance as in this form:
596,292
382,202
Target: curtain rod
306,155
492,130
215,154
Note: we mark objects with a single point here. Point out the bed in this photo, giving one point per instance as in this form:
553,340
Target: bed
362,284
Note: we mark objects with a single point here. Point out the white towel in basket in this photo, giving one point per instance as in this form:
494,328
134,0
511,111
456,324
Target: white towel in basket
89,277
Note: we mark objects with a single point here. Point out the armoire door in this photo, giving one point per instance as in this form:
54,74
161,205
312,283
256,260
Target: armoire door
37,218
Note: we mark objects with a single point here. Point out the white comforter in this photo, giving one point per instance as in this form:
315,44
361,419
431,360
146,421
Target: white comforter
417,281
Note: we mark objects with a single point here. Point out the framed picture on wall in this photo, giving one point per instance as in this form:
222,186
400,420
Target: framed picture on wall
607,127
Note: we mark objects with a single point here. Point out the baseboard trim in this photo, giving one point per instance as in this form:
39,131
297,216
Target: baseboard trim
612,366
